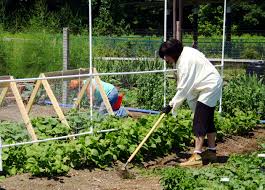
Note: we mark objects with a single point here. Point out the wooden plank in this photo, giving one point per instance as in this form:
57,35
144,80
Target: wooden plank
22,110
3,94
103,94
4,84
33,95
81,93
54,101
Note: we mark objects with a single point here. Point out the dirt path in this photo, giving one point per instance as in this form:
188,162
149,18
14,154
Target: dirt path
110,180
81,180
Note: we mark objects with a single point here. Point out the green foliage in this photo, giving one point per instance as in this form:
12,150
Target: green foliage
250,53
118,17
42,19
29,54
243,93
12,132
238,123
105,24
252,13
243,172
3,62
101,149
150,91
49,127
96,150
210,19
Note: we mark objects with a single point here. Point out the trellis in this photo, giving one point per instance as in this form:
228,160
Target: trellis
13,86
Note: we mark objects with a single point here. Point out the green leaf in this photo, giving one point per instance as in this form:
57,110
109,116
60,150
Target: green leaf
4,156
122,147
94,152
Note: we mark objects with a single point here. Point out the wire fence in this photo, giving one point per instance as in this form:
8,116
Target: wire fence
44,53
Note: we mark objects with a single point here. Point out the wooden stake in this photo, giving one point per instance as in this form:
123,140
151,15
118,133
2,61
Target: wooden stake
54,101
3,94
33,95
22,109
103,94
81,93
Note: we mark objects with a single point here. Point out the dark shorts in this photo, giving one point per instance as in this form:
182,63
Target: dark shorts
203,121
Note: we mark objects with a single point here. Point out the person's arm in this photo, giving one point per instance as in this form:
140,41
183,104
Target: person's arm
185,85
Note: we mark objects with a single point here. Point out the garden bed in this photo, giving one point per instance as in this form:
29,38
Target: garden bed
109,179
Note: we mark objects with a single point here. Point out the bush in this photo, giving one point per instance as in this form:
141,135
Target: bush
244,93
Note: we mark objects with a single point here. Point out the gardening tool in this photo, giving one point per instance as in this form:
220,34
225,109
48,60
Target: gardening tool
124,172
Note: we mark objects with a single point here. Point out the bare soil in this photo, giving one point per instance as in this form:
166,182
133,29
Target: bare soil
109,179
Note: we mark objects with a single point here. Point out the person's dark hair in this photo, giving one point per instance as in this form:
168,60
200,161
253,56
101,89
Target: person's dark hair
172,48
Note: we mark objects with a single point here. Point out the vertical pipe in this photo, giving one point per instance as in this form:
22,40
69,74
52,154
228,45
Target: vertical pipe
174,19
65,62
1,163
165,20
195,27
90,61
222,61
180,20
165,64
228,31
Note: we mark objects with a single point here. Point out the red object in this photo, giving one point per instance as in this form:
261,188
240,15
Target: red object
117,104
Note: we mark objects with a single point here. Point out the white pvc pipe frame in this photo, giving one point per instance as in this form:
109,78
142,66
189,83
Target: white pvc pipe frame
101,74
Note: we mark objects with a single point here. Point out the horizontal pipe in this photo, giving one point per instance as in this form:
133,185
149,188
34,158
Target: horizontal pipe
46,140
87,75
142,110
62,105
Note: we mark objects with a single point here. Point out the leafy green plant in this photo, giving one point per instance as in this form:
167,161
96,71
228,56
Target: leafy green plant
101,149
242,172
244,93
239,123
251,53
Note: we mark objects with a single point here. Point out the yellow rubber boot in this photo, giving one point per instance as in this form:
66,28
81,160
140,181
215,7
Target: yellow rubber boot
194,160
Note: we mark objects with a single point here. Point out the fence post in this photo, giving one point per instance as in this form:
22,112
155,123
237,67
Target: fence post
1,163
65,62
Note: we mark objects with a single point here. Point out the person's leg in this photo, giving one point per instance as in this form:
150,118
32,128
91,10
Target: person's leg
112,97
211,140
199,130
198,144
102,108
210,154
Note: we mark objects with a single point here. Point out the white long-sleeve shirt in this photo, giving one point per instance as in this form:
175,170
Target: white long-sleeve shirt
198,80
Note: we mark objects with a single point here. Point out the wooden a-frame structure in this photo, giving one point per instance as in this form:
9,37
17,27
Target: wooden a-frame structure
26,110
50,94
53,99
13,86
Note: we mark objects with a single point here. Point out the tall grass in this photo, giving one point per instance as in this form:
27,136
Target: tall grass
28,54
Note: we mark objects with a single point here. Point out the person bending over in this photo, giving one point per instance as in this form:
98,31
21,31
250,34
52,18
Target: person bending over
110,90
200,83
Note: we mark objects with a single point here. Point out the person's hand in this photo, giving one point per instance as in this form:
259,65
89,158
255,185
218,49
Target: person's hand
166,109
